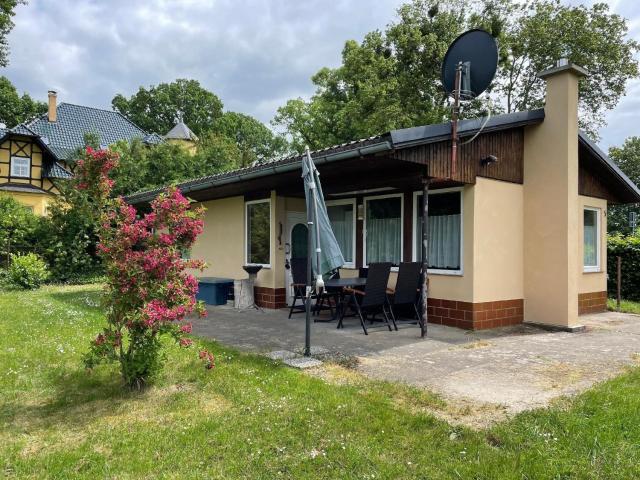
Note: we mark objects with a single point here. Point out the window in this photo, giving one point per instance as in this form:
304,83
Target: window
591,240
258,217
343,223
20,167
445,231
383,229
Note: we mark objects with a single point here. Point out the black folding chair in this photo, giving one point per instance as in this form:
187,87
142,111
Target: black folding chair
299,284
405,295
373,299
328,298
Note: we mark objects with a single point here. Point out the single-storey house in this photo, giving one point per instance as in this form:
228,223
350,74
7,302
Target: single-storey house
37,154
519,239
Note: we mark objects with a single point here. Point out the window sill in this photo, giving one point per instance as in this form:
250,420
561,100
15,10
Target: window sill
449,273
264,266
592,270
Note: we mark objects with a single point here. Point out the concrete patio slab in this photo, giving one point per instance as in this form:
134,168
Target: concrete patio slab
519,367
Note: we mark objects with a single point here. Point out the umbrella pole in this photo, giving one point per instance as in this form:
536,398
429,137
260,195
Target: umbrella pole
424,281
307,326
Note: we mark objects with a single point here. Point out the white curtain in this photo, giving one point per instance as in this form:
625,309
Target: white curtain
383,240
341,218
444,241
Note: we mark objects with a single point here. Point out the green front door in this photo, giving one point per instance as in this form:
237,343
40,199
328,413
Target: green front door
299,241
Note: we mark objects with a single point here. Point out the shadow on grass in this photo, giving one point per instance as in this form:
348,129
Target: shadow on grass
79,397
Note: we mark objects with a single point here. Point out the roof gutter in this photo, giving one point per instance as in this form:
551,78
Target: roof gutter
264,171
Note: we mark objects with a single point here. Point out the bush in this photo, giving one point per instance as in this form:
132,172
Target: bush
18,228
629,249
149,290
27,271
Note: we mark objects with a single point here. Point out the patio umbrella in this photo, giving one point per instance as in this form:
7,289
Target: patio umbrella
324,254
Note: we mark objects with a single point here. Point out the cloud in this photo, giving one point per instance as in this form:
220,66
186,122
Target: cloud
255,54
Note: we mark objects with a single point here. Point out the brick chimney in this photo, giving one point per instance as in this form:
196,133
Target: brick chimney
53,104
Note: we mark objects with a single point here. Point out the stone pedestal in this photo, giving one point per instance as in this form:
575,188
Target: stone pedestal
243,293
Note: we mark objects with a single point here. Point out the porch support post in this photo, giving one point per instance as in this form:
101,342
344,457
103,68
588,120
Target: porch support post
424,281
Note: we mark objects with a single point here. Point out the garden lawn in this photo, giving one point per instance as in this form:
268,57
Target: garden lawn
626,306
252,418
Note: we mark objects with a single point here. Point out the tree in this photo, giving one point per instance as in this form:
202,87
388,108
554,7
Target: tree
15,109
255,140
628,159
143,167
7,11
392,78
538,34
155,109
69,234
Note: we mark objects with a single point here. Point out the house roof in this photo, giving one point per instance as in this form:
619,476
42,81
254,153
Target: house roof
394,139
20,187
625,182
51,168
66,134
181,132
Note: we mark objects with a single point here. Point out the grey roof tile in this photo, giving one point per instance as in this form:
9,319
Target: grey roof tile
67,133
181,132
55,170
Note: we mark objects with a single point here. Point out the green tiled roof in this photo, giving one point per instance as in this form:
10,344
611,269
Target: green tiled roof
66,134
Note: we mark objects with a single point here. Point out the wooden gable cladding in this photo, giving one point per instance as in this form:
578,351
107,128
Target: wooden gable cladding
594,180
506,145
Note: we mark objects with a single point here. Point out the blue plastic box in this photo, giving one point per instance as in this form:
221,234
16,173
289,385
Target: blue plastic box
214,290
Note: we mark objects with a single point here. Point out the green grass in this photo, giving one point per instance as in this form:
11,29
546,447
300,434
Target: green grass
626,306
252,418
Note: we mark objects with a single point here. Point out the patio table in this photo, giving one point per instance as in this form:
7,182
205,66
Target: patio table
340,283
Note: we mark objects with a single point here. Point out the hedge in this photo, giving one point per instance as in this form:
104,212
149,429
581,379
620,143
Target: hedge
628,248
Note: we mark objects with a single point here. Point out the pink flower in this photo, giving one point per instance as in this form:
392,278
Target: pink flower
186,342
186,328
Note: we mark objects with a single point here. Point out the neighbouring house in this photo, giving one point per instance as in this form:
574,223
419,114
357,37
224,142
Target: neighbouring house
519,239
37,154
182,135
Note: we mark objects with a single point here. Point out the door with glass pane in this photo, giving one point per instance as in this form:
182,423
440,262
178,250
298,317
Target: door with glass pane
296,245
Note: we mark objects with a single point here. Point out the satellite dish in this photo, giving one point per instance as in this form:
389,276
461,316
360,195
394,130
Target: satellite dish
476,53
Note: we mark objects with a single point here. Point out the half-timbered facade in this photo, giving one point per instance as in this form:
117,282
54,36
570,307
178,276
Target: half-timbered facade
36,155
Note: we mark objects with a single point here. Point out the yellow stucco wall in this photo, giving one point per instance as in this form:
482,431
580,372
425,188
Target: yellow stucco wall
38,202
589,282
221,244
498,241
552,218
190,146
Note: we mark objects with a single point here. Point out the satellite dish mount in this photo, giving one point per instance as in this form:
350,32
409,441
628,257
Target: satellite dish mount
467,70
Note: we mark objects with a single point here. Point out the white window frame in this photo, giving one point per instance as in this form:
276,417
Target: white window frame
14,174
246,231
364,226
414,246
593,268
352,202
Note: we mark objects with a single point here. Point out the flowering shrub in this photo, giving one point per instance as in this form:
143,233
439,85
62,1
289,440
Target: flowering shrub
27,271
149,290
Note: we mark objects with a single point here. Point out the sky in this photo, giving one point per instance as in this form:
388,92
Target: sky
254,54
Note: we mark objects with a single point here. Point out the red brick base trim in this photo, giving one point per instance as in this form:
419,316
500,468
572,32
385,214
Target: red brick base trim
593,302
270,297
475,316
